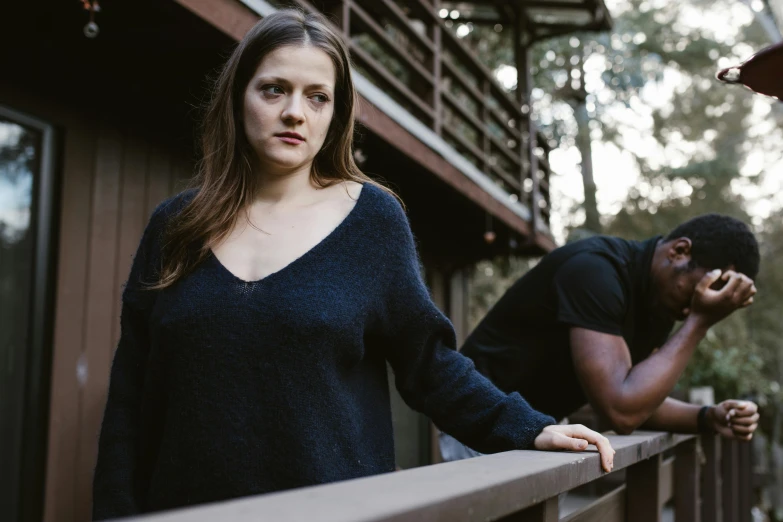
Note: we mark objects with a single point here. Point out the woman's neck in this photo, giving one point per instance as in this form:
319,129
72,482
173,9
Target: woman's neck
287,187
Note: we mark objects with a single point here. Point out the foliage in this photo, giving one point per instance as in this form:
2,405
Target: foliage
488,282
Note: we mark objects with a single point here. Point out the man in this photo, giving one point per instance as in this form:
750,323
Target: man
591,323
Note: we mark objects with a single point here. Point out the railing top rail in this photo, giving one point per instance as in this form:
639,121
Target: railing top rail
484,488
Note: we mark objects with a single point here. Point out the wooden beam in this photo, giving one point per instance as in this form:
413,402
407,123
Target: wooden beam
472,61
554,4
392,81
642,499
403,23
437,70
686,482
608,508
391,46
389,130
711,508
504,123
490,487
464,112
426,9
464,142
745,491
666,482
730,480
555,30
546,511
229,16
503,148
505,176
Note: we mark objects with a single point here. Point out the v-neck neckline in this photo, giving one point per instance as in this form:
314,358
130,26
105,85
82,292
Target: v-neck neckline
331,236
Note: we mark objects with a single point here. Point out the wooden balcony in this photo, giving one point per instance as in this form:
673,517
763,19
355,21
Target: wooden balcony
405,49
657,476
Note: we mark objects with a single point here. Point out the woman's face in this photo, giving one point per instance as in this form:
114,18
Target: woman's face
288,106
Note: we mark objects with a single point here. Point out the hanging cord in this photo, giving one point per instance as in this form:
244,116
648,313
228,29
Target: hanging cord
91,30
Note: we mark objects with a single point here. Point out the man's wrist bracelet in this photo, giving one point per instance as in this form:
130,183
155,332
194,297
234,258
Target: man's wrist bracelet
701,420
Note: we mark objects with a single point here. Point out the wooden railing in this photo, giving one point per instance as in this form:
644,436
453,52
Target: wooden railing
703,480
405,49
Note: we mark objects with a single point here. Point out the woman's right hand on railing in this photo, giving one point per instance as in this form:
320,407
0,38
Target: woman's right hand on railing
575,437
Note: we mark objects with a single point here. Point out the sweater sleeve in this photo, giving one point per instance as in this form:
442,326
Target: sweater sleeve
118,481
431,376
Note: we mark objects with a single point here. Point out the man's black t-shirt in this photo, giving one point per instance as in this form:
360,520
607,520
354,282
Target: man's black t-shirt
602,284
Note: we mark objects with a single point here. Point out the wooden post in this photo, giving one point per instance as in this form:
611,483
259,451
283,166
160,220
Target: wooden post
346,19
643,482
686,482
711,480
520,61
522,37
745,476
437,72
339,13
437,284
730,480
485,116
546,511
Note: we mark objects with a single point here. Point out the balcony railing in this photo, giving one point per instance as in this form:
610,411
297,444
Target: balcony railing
406,50
655,474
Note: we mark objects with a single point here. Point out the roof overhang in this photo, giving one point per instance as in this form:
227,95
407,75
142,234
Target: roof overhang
545,18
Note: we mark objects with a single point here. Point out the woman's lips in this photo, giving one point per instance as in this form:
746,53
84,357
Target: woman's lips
290,138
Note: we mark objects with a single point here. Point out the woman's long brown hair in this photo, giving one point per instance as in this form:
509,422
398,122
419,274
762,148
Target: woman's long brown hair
226,180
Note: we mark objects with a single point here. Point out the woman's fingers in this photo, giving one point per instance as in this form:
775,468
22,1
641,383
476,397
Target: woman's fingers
569,443
581,434
575,437
602,443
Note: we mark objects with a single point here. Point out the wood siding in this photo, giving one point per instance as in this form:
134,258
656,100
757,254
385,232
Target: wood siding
118,181
110,182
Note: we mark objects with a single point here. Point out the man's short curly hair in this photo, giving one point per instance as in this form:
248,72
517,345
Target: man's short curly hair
720,241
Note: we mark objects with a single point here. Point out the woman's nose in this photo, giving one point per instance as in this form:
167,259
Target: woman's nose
294,109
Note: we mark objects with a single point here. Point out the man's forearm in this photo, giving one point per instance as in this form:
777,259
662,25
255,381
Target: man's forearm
649,383
675,416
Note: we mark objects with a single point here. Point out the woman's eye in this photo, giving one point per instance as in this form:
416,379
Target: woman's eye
320,98
273,90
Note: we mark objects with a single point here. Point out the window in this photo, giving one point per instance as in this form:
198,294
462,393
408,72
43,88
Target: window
25,218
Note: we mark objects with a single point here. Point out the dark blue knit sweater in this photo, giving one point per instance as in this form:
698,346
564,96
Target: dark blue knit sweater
222,388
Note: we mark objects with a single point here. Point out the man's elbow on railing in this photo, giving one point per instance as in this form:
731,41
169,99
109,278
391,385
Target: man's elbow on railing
623,423
623,428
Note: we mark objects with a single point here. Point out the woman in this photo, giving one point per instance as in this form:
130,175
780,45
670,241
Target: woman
263,305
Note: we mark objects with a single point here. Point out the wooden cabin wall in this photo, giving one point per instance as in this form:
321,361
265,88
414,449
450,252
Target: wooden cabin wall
415,437
110,181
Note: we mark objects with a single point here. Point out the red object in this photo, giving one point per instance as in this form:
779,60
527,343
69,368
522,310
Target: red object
762,72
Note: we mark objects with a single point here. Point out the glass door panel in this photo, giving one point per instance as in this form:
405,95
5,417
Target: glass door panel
24,179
